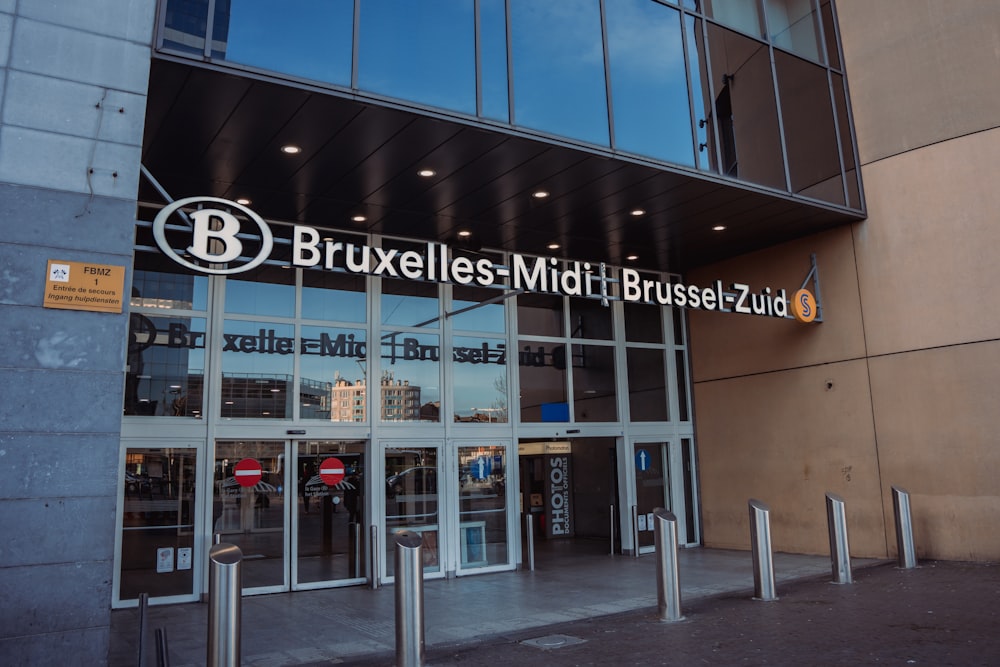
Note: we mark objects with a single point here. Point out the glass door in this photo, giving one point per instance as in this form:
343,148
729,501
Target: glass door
330,545
250,509
652,489
482,506
412,501
157,545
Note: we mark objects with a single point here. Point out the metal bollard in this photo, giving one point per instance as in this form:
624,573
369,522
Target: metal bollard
612,530
840,552
904,528
668,582
373,557
409,599
529,531
143,609
635,531
225,590
760,542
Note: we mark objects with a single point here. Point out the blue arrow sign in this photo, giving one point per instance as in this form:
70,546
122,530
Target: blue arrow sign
642,460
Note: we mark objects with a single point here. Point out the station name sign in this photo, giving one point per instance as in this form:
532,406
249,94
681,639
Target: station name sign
221,242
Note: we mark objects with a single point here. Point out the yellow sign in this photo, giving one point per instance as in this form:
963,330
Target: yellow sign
804,306
82,286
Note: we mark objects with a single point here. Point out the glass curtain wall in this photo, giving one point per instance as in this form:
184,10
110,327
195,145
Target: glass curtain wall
753,91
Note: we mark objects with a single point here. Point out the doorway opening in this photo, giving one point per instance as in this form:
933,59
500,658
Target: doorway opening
570,490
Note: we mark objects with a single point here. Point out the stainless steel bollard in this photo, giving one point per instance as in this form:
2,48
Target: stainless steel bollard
225,590
529,537
409,599
373,556
635,531
612,530
760,543
840,552
904,528
668,581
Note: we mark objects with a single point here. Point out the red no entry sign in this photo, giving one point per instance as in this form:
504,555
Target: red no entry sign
331,471
248,472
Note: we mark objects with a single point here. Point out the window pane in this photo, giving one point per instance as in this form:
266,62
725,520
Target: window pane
682,384
543,396
540,314
480,380
589,319
158,523
743,15
424,52
647,385
846,144
558,63
333,296
332,368
159,282
257,361
482,519
810,135
269,290
594,397
306,38
185,24
164,375
489,317
830,34
410,303
745,108
648,81
794,27
643,323
493,56
410,383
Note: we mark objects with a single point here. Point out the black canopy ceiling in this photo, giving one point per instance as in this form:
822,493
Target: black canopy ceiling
216,133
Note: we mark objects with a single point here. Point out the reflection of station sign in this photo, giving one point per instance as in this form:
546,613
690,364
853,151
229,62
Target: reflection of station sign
642,460
248,472
82,286
482,467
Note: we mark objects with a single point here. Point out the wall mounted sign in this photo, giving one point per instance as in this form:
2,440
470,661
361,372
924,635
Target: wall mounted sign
223,244
83,286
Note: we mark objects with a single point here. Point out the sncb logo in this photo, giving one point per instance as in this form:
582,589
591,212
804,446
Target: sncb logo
804,306
213,235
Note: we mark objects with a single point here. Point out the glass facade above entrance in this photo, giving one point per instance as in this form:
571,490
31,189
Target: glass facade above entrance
721,87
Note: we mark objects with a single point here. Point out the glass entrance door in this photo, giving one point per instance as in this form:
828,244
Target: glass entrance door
652,489
330,544
250,509
482,506
412,502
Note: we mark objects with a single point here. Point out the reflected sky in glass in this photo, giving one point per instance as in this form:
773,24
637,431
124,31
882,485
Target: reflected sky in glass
648,81
559,68
306,38
419,51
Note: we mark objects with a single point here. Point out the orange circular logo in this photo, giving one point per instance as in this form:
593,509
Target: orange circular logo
804,306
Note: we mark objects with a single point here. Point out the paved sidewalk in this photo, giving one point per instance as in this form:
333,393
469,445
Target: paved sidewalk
942,613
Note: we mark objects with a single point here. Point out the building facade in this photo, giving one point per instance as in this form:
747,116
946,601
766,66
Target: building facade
566,241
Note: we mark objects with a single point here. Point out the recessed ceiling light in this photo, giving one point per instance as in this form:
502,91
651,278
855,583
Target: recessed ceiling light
244,201
553,246
632,258
359,218
291,149
465,233
540,194
638,211
718,228
426,173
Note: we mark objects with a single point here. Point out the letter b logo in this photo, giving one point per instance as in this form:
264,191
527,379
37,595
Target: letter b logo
222,240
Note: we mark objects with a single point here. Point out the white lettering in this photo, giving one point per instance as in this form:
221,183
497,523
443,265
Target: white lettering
305,240
231,246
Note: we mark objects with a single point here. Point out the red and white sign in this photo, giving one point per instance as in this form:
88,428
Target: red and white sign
248,472
331,471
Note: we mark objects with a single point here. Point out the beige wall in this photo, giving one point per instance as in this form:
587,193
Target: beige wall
911,337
